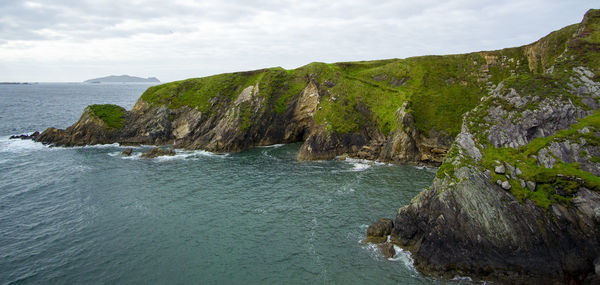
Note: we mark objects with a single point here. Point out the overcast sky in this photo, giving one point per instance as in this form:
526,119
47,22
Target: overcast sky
74,40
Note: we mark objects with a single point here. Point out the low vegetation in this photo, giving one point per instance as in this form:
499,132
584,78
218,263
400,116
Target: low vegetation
554,185
111,115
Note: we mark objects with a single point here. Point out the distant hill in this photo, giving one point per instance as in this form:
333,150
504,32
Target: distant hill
122,78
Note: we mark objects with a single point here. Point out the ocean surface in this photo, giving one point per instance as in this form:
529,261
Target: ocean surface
87,215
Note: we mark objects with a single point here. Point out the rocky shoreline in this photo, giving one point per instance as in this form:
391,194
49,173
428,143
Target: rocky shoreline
515,133
517,199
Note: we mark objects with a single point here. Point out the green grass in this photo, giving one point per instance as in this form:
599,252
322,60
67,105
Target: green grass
111,115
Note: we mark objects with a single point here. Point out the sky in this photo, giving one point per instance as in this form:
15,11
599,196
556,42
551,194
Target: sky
75,40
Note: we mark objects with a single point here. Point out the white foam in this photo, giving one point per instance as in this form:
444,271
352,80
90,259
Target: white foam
405,257
266,153
19,145
133,156
101,145
179,155
362,164
94,146
359,164
462,278
429,169
272,146
187,154
346,190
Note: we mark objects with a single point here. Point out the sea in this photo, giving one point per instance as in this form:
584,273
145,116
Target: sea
87,215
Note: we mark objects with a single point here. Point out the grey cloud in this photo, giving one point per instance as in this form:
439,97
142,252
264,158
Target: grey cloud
203,37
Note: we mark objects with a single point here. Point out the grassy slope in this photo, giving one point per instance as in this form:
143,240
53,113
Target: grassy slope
440,89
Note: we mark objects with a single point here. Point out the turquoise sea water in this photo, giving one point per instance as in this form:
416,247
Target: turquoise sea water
87,215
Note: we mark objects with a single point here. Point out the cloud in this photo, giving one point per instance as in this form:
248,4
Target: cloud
184,38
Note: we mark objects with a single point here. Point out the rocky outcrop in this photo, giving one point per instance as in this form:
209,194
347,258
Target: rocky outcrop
88,130
379,231
387,250
25,136
157,151
517,199
402,144
127,152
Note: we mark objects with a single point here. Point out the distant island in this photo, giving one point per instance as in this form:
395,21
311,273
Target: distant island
121,78
15,83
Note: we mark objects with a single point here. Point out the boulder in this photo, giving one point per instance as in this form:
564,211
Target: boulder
531,185
387,250
157,151
127,152
378,231
500,169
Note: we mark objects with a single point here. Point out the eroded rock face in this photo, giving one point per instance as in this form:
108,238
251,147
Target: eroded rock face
402,145
505,205
248,121
470,224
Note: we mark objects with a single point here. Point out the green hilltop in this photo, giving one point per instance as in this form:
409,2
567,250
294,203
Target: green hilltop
439,89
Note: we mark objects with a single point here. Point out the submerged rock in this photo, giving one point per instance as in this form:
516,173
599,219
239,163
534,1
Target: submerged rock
127,152
157,151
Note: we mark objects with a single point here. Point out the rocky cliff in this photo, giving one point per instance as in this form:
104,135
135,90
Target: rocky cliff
398,110
517,198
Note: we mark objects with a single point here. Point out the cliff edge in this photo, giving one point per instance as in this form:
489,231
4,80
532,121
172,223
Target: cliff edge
517,198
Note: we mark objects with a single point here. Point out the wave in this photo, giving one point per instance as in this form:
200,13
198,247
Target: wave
462,279
346,189
179,155
405,257
362,164
19,145
426,168
271,146
24,146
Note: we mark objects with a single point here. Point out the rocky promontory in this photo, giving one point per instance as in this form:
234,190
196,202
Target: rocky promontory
517,199
516,133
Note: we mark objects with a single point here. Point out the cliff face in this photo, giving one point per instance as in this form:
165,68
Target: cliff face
517,198
399,110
